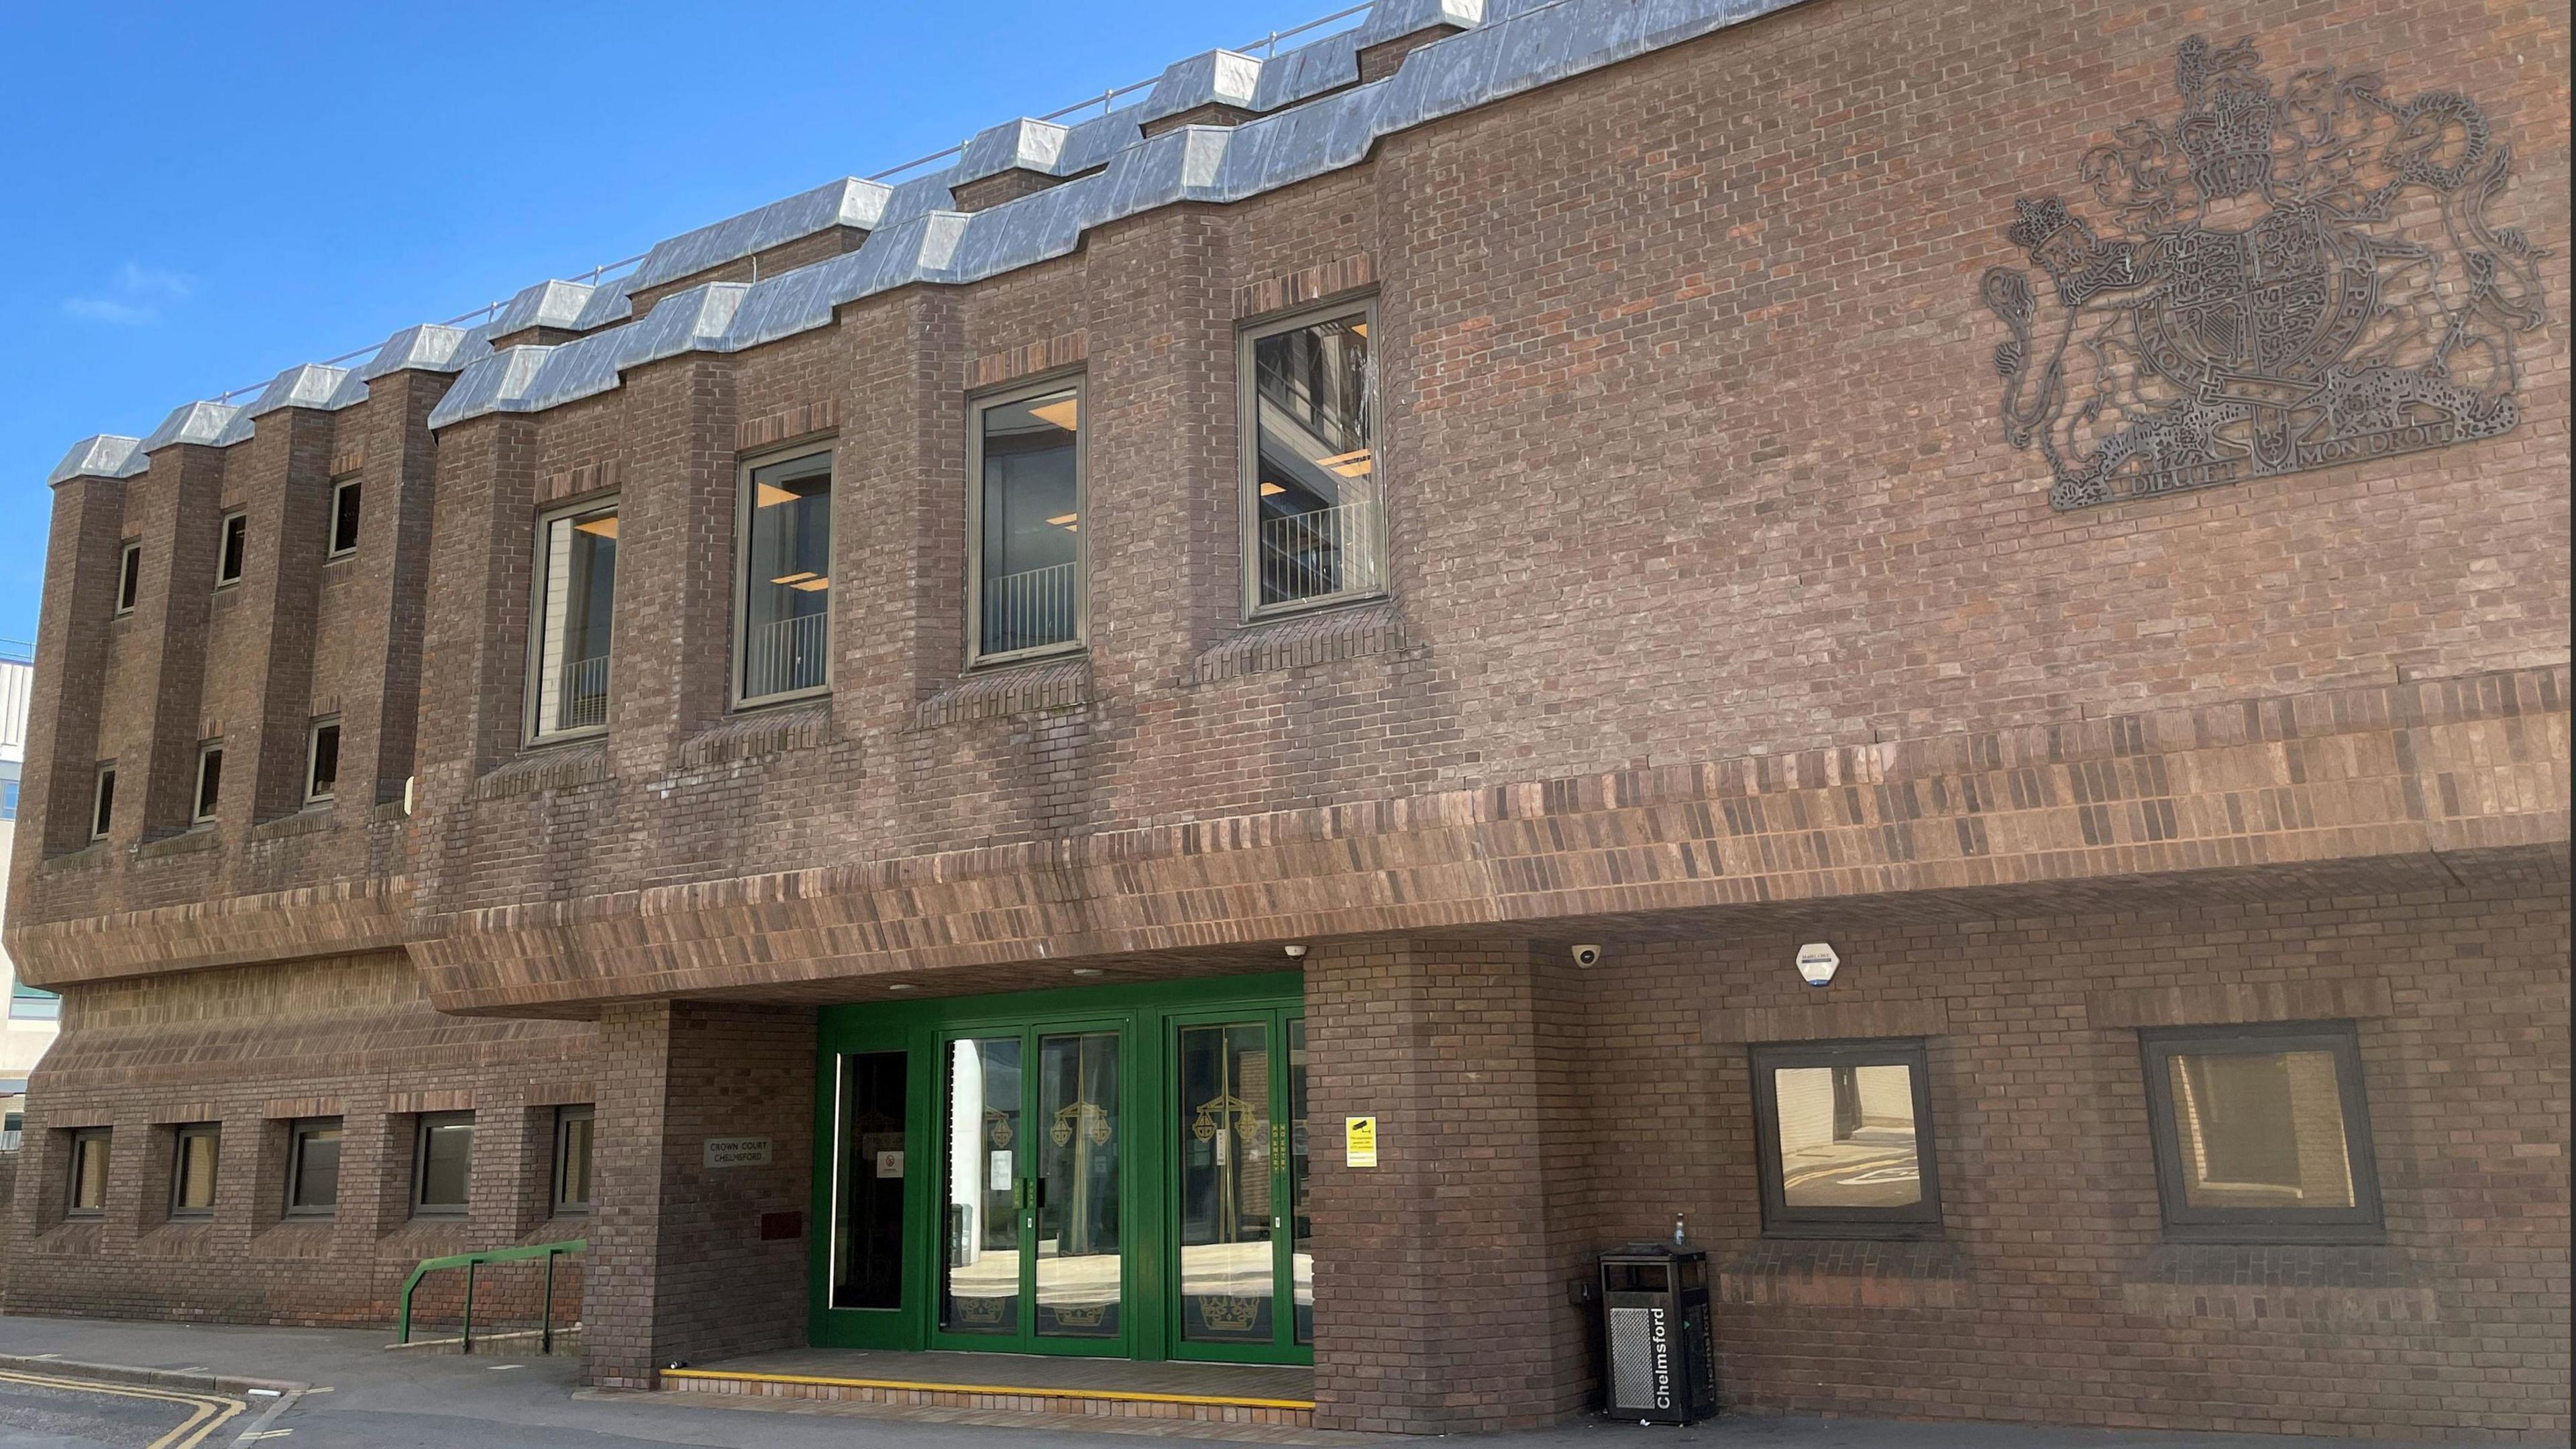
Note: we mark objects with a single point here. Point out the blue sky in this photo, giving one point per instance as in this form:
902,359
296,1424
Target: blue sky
194,197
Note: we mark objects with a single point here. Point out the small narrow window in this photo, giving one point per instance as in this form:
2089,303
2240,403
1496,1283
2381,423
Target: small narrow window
31,1003
322,761
313,1167
1313,507
102,813
192,1170
235,536
572,1158
576,590
88,1173
210,779
786,579
129,577
2261,1133
441,1163
1843,1134
344,517
1027,525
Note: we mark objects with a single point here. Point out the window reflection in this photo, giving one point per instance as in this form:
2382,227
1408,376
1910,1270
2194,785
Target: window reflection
981,1292
579,563
1315,492
1082,1128
1031,522
1228,1267
1847,1136
787,578
2261,1130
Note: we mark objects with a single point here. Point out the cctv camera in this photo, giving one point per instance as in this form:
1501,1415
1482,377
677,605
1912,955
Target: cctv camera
1587,955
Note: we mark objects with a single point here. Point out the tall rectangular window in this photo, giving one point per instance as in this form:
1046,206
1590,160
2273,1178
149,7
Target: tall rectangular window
210,779
1842,1131
2261,1133
344,517
1027,521
322,760
88,1173
129,577
786,591
313,1167
572,1158
1315,518
192,1170
233,542
102,805
576,589
441,1163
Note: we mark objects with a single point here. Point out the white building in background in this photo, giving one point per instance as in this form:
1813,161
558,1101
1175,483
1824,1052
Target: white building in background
30,1026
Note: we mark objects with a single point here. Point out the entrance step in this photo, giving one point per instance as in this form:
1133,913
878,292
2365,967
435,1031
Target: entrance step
1249,1396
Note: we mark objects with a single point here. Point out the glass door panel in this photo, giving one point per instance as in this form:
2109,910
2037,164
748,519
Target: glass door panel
1301,1260
1228,1267
1077,1184
980,1274
867,1231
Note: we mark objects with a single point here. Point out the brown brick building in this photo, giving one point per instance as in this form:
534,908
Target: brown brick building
958,730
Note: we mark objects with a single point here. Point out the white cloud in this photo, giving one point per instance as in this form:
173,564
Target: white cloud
133,297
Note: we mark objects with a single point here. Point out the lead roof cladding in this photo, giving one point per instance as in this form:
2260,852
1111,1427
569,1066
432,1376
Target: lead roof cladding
1311,117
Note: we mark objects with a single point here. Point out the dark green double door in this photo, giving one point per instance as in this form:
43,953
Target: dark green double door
1115,1172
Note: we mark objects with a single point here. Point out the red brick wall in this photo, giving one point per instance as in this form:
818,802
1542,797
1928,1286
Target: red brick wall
2052,1294
679,1267
252,1049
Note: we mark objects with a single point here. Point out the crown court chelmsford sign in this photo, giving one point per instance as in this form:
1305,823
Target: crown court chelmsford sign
2279,282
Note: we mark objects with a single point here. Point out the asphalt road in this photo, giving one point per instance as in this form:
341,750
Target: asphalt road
366,1398
46,1412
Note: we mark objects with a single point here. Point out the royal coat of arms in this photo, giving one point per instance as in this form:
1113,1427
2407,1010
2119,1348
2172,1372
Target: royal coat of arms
2277,282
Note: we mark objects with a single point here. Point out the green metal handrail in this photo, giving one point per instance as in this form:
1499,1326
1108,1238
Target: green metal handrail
470,1261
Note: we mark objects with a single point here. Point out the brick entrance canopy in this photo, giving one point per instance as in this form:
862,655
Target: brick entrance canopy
1724,610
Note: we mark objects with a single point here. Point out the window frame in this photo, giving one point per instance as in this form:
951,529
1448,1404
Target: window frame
531,731
211,1133
129,576
298,1131
332,547
313,757
1918,1220
736,645
1247,482
977,404
565,1116
422,1126
201,810
102,801
2364,1222
226,524
73,1178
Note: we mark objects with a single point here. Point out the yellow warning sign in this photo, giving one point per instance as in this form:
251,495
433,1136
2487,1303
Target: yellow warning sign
1359,1141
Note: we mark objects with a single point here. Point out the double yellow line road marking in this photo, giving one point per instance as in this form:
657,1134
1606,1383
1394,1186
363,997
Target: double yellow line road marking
206,1412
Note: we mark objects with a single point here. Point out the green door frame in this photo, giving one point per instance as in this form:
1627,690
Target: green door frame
1145,1015
1283,1347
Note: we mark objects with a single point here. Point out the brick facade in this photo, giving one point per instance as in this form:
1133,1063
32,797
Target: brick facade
1721,617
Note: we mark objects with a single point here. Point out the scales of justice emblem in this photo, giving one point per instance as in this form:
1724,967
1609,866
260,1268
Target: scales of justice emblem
2279,282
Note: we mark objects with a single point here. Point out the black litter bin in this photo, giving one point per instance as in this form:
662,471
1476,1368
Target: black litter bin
1663,1356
